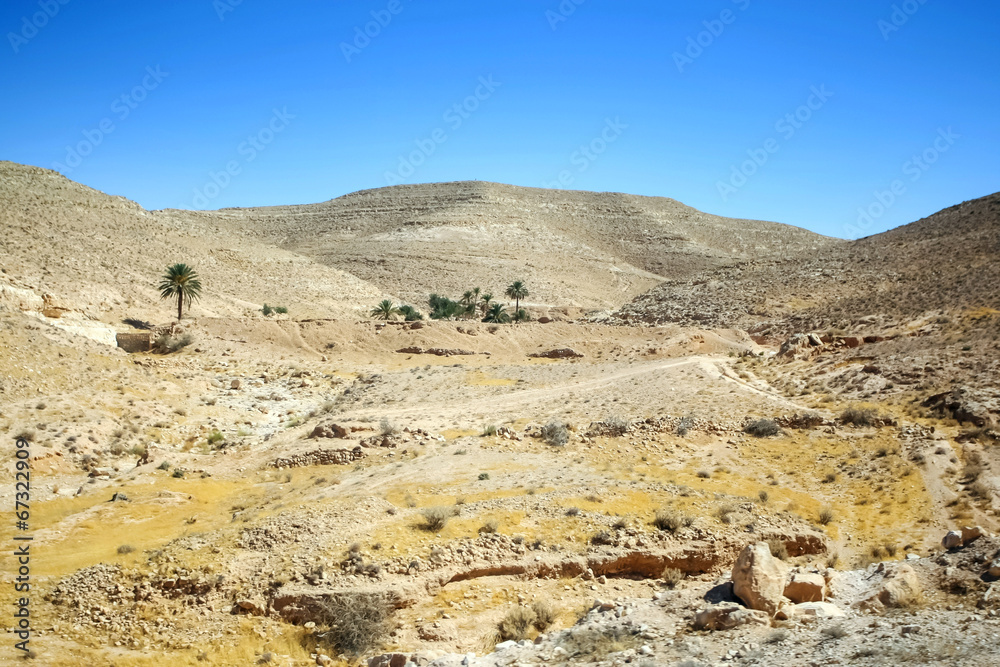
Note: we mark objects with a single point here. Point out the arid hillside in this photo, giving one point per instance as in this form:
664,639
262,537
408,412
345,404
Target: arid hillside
945,263
584,249
103,255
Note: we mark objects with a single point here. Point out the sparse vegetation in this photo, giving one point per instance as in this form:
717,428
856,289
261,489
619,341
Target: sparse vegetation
516,624
555,433
826,516
671,521
671,576
762,428
545,615
353,623
436,518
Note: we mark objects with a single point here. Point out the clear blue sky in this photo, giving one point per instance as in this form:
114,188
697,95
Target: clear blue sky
200,78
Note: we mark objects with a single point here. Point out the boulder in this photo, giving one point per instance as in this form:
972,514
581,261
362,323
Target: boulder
236,384
254,606
853,341
805,587
971,534
994,570
759,578
952,540
727,616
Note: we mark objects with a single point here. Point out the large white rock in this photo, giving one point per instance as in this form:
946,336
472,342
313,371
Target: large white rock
759,578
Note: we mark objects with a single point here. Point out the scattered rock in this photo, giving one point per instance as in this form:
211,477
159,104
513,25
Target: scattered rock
329,430
561,353
728,615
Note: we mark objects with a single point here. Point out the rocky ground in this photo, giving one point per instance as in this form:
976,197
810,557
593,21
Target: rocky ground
654,487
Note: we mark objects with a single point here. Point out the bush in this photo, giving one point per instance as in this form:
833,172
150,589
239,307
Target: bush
671,521
555,433
386,427
126,549
516,624
267,310
165,343
573,511
483,476
281,310
545,615
164,466
825,515
602,538
778,548
489,430
683,426
355,623
410,314
762,428
490,527
859,416
672,576
435,518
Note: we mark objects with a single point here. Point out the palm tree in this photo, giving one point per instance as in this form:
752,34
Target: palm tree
486,302
521,315
384,310
182,282
497,314
517,291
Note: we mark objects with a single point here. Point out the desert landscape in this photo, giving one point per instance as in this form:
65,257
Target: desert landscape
708,441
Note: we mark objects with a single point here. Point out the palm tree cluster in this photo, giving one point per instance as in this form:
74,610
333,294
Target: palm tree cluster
473,304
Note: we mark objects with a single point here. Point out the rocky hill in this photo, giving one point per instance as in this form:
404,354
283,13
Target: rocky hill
572,248
103,255
945,263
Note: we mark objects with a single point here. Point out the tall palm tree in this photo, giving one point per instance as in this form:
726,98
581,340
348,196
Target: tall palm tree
497,314
182,282
385,310
486,302
517,291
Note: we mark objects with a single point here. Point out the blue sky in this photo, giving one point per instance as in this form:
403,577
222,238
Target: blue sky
803,113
